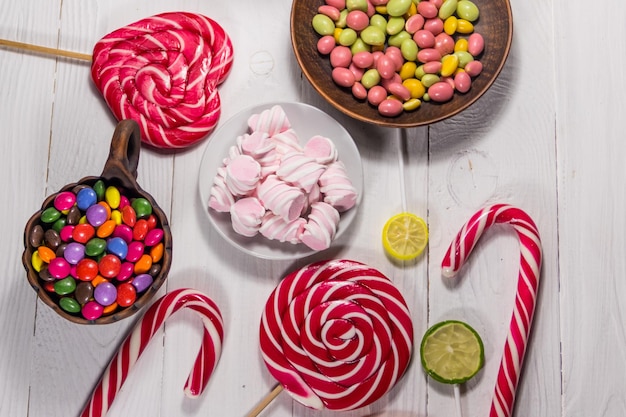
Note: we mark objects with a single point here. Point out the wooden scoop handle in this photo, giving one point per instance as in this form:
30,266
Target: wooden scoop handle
124,154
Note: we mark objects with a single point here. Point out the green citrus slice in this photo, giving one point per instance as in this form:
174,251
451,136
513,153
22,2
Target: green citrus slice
452,352
405,236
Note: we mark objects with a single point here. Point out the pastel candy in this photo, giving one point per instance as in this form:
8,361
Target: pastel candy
321,226
270,121
337,187
220,199
281,198
275,227
300,170
246,215
163,72
242,175
321,148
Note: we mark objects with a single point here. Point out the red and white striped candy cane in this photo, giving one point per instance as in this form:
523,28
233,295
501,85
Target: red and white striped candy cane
130,350
528,279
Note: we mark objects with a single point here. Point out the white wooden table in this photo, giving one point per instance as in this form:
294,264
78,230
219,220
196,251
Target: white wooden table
547,138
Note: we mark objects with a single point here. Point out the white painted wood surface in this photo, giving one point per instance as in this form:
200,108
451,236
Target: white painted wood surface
547,137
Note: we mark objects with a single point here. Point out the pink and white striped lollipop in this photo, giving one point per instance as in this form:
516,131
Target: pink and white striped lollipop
527,285
163,72
336,334
136,342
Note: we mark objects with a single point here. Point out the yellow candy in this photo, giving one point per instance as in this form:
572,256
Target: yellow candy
449,64
450,25
112,197
464,26
461,45
82,220
411,104
337,34
412,10
381,9
408,70
116,216
36,261
415,87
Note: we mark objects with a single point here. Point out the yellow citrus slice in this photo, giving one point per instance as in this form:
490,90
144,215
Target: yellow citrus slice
452,352
405,236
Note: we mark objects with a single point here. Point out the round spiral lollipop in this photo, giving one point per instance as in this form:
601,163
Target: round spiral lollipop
336,334
163,72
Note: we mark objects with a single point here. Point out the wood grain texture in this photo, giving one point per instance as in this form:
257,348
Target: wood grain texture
546,137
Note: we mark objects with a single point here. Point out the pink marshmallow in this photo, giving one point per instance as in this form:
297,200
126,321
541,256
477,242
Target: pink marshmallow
242,175
321,149
300,170
246,215
220,198
337,188
275,227
281,198
270,121
321,227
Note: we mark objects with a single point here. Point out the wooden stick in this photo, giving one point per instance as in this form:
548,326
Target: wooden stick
265,401
45,50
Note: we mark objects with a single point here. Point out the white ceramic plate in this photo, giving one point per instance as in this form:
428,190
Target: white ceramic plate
307,121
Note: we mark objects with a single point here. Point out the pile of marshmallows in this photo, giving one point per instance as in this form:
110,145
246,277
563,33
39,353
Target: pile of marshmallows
274,186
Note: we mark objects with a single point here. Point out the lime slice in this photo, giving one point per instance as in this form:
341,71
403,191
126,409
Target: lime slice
405,236
452,352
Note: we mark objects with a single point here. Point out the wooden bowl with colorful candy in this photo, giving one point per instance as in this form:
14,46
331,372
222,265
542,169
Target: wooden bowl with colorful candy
402,63
99,249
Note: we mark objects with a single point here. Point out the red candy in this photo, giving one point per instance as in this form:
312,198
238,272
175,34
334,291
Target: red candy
126,294
83,232
109,266
86,269
140,230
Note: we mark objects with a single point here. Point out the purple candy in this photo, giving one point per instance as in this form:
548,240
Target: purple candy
142,281
74,252
105,294
96,215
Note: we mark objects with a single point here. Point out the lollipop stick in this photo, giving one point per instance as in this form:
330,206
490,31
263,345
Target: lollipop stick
401,147
266,401
457,399
45,50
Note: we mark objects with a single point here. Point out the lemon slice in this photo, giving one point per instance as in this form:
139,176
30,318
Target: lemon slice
405,236
452,352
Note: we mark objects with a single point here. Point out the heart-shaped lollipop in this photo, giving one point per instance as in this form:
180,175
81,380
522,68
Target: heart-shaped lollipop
163,72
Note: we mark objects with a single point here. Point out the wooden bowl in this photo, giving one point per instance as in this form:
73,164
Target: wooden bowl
120,170
495,24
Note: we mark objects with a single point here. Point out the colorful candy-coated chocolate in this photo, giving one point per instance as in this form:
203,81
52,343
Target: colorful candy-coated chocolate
140,230
142,282
59,268
117,246
142,207
105,294
69,304
99,187
64,200
82,232
97,214
112,197
153,237
144,264
65,286
126,271
52,239
126,294
95,246
85,198
46,254
135,250
109,266
86,269
83,292
92,310
129,217
74,252
50,215
123,231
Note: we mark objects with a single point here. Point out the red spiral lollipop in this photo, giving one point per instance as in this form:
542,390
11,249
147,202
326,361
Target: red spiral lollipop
336,334
163,72
136,342
527,285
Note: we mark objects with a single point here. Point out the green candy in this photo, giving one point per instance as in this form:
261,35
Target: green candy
69,304
395,25
142,207
323,24
372,35
370,78
59,224
467,10
447,9
359,46
409,49
347,37
50,215
396,40
379,21
464,58
99,187
356,5
65,286
95,246
398,7
430,79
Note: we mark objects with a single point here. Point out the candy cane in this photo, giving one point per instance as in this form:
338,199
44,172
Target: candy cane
521,321
130,350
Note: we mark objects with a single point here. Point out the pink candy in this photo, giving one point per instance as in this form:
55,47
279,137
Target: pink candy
273,186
